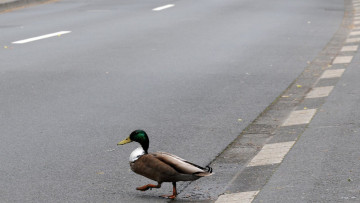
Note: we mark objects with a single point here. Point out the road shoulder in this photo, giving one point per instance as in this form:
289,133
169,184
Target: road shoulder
324,164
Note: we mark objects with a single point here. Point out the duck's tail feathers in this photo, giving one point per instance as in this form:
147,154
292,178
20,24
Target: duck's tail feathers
208,171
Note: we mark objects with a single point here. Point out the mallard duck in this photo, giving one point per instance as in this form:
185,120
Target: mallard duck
161,166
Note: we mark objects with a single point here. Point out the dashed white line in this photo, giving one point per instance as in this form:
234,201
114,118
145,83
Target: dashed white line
319,92
349,48
163,7
41,37
352,40
336,73
354,33
244,197
342,59
299,117
271,154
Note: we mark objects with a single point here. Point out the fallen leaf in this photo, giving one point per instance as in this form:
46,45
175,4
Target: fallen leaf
299,86
100,173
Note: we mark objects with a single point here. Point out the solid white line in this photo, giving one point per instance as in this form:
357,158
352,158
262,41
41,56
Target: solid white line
41,37
163,7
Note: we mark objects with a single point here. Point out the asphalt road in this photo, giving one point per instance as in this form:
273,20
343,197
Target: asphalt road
193,76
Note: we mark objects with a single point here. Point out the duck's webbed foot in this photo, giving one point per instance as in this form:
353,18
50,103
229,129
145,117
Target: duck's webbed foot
148,186
173,196
169,196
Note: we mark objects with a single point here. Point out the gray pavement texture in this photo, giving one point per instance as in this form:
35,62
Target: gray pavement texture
324,164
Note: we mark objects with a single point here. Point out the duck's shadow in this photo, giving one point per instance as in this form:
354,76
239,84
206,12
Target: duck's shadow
153,198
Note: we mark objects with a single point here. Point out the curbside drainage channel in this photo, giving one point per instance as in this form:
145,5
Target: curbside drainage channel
9,5
263,144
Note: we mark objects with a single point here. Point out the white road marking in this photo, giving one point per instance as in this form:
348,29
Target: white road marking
336,73
356,22
354,33
349,48
342,59
41,37
98,11
163,7
271,154
243,197
318,92
352,40
299,117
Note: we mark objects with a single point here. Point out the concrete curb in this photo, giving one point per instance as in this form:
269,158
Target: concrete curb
13,4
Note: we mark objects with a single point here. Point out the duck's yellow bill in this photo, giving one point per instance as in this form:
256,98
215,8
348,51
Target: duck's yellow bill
127,140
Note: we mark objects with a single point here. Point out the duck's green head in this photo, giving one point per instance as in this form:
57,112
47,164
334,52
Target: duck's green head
139,136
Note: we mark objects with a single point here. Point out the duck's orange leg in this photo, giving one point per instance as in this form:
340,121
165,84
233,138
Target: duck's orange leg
148,186
173,196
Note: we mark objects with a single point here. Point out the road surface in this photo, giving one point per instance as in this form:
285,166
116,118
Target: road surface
193,75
